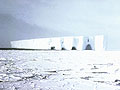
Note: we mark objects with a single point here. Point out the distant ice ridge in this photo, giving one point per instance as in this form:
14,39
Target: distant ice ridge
63,43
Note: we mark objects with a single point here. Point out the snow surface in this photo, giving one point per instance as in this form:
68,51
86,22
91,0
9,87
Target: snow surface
59,70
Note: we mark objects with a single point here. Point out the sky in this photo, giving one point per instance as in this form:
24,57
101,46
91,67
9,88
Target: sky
30,19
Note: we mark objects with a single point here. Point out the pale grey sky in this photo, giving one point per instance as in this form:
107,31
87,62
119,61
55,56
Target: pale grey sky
20,18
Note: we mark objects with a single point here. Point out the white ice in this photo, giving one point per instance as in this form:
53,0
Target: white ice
59,70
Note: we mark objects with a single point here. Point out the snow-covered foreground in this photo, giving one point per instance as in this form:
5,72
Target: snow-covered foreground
59,70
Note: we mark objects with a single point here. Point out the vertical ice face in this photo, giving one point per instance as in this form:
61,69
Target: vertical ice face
75,43
22,44
31,44
49,43
62,43
41,43
54,43
88,43
80,43
99,40
66,43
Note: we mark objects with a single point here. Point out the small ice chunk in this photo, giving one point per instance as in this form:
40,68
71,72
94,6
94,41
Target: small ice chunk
2,59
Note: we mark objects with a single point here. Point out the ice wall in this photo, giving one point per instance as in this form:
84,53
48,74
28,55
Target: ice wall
31,44
78,42
75,43
99,42
65,43
54,42
88,41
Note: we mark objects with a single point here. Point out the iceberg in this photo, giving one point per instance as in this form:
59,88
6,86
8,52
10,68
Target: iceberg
62,43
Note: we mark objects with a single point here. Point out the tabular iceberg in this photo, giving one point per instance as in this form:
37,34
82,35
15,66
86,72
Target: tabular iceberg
62,43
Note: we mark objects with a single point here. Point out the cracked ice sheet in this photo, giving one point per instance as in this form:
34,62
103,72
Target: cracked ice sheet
59,70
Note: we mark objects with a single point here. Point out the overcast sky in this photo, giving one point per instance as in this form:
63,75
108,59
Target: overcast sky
73,17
